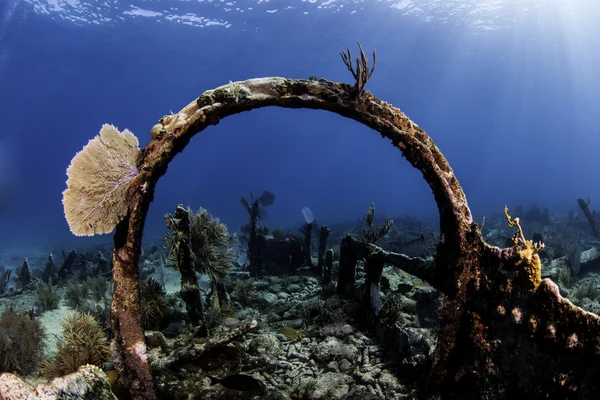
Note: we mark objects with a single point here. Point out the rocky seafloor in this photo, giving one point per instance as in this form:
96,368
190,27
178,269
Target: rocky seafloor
330,348
336,358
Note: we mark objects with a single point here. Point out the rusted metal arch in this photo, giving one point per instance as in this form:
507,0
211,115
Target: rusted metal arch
483,284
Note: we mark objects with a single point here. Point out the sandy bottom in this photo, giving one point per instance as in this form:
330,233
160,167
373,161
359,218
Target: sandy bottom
12,257
52,324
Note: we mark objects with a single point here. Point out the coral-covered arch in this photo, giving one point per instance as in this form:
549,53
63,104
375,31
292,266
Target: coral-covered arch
485,286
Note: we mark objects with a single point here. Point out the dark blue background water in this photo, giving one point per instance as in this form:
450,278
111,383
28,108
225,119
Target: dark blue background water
515,111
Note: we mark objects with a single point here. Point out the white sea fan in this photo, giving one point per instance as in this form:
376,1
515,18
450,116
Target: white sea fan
99,182
308,215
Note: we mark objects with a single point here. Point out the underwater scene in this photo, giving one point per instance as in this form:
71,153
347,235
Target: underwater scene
299,200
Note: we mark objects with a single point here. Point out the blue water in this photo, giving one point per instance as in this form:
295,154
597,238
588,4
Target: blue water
507,89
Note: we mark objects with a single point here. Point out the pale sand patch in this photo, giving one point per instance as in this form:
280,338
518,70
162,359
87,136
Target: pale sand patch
52,324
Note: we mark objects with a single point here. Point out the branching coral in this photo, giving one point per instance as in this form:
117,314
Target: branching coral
21,342
46,297
83,342
527,252
156,309
198,243
370,233
84,296
210,242
76,296
362,73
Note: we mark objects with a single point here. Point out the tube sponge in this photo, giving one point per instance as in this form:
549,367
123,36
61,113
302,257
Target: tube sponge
99,182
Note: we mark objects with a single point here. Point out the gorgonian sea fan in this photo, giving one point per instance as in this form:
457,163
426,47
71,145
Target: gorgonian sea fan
308,215
99,182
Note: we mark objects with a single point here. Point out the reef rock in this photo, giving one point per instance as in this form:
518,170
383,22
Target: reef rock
88,383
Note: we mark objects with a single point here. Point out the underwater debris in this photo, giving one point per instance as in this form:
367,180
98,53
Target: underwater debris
24,277
574,259
256,211
102,263
306,230
347,266
198,243
585,208
50,273
67,268
180,252
324,232
99,182
327,268
310,223
351,252
473,275
4,278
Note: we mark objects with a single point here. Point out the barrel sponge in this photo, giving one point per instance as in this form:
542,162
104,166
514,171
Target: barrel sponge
99,182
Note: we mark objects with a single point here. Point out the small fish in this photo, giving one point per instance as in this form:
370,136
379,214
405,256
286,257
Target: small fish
112,376
376,301
290,333
239,382
231,322
423,286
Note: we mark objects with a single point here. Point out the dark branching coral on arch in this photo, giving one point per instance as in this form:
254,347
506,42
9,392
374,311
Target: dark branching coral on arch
198,243
505,332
